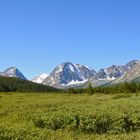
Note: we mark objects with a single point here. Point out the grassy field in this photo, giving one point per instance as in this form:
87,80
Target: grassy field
69,117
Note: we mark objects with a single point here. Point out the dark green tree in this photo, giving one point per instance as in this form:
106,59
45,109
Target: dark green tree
90,90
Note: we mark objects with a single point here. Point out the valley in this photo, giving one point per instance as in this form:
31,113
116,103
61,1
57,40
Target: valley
70,70
69,117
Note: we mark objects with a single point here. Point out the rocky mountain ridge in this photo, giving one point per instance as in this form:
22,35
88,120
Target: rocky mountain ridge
68,75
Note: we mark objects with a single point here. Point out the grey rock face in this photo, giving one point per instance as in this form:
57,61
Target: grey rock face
87,72
131,64
132,75
13,72
102,74
114,71
111,72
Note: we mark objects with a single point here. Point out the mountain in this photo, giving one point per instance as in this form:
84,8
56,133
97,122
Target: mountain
132,75
40,78
115,71
67,74
13,72
112,72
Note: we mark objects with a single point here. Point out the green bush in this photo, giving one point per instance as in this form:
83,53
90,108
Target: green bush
40,123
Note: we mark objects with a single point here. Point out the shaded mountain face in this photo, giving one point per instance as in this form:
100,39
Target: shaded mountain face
87,72
112,72
40,78
69,74
115,71
13,72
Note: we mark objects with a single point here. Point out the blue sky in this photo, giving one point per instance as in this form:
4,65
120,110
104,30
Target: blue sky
37,35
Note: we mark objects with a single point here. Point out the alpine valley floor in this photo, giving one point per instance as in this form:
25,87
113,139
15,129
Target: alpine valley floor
48,116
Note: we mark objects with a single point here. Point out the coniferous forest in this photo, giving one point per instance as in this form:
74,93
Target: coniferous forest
10,84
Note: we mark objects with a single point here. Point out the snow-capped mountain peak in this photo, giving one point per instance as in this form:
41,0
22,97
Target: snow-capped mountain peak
40,78
13,72
69,74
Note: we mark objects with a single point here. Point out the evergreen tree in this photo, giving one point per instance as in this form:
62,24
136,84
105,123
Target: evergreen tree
90,89
133,87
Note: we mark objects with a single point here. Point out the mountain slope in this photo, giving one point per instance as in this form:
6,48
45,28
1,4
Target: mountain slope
13,72
131,75
40,78
87,72
115,71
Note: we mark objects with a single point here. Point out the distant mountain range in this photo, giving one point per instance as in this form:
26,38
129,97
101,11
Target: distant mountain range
132,75
115,71
68,75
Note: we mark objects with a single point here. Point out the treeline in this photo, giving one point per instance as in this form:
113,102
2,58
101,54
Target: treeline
8,84
121,88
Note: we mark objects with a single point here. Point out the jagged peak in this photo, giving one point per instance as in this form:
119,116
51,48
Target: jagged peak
13,72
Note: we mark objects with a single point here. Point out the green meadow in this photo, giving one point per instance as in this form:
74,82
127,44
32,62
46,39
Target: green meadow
59,116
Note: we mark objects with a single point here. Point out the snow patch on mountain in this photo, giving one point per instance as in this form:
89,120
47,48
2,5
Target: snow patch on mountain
60,69
40,78
79,73
88,67
74,82
71,68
